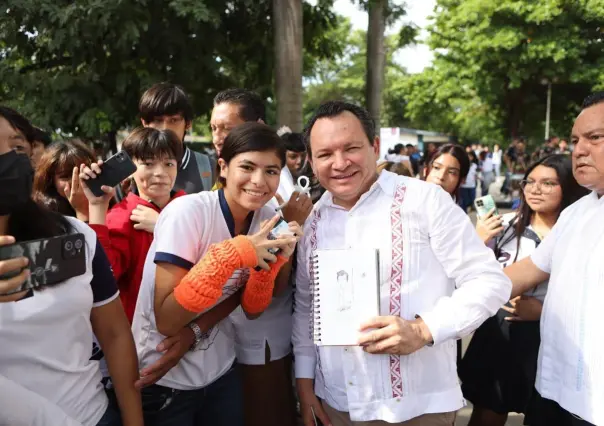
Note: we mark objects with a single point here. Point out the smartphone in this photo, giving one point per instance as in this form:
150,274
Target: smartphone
51,260
114,170
484,205
280,228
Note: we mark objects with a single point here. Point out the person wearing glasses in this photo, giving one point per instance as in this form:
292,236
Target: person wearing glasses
499,368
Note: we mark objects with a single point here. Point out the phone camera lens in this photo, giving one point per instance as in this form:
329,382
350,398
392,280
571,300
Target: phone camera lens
78,244
68,246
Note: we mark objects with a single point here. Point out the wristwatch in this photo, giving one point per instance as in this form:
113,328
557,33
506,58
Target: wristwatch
198,334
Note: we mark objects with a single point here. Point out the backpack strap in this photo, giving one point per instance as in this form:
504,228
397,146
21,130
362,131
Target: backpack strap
206,170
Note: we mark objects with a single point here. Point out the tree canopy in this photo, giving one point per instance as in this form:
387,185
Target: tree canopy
82,66
494,60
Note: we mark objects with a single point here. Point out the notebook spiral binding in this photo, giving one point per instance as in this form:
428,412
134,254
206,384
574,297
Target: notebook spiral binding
315,304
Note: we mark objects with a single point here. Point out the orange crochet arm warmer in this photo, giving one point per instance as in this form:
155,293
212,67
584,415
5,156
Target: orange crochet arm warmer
202,286
258,291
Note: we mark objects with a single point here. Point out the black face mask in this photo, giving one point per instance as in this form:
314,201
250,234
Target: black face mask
16,179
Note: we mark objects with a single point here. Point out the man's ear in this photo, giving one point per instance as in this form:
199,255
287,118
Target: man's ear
144,123
261,121
188,125
376,146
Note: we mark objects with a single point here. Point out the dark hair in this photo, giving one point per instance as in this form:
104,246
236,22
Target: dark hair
593,99
333,109
293,142
59,159
165,99
18,122
251,105
459,153
397,168
571,192
41,136
146,143
410,145
251,136
473,157
396,149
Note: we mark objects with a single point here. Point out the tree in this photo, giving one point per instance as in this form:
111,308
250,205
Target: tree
287,19
376,56
342,77
81,66
493,58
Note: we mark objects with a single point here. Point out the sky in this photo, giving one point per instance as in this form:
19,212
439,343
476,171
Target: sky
414,58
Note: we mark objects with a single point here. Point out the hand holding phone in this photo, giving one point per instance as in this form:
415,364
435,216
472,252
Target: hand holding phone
107,173
484,205
267,242
13,273
50,260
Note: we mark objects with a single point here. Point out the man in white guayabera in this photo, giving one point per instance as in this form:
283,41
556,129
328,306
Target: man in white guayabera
440,282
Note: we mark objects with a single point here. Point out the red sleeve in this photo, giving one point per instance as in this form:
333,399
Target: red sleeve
115,239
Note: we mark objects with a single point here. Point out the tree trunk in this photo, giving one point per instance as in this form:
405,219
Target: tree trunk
376,57
287,21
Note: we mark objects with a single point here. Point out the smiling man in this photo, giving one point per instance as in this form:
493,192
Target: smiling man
439,283
570,374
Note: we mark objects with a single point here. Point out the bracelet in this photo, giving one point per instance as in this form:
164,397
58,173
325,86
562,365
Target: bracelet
198,334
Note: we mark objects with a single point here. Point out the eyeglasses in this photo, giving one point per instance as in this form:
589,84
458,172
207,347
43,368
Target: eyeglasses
545,187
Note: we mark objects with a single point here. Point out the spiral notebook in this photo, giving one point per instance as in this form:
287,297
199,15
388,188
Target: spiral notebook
345,293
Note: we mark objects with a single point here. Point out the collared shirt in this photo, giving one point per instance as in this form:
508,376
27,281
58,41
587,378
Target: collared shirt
433,264
571,357
184,232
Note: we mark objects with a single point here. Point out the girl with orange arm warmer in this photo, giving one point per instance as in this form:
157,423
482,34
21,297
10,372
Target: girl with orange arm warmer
211,252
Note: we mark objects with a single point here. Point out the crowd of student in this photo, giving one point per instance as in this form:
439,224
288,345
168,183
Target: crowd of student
191,313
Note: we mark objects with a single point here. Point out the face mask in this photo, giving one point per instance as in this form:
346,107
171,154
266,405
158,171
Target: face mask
16,179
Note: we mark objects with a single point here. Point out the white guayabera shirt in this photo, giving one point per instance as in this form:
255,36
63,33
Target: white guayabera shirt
571,357
432,264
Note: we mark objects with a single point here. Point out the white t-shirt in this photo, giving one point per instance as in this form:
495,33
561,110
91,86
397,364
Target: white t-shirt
397,158
507,246
470,181
47,338
497,157
570,368
487,165
184,231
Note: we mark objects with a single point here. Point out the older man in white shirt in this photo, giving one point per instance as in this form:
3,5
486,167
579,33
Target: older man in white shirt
570,373
439,283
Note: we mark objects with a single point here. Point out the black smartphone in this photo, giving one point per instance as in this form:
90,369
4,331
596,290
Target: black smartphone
51,260
114,170
280,228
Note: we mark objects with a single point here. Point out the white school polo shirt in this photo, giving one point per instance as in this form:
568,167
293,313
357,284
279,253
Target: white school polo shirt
47,338
571,357
183,234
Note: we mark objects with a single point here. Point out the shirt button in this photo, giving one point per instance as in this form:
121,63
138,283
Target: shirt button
349,383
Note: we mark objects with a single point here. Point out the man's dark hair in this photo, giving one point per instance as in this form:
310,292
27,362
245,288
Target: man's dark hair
18,122
333,109
42,136
165,99
251,105
593,99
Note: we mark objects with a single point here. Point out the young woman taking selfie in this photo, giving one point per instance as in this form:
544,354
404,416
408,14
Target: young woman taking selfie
47,333
499,368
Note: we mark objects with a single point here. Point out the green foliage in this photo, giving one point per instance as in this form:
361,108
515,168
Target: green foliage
343,76
81,66
493,58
